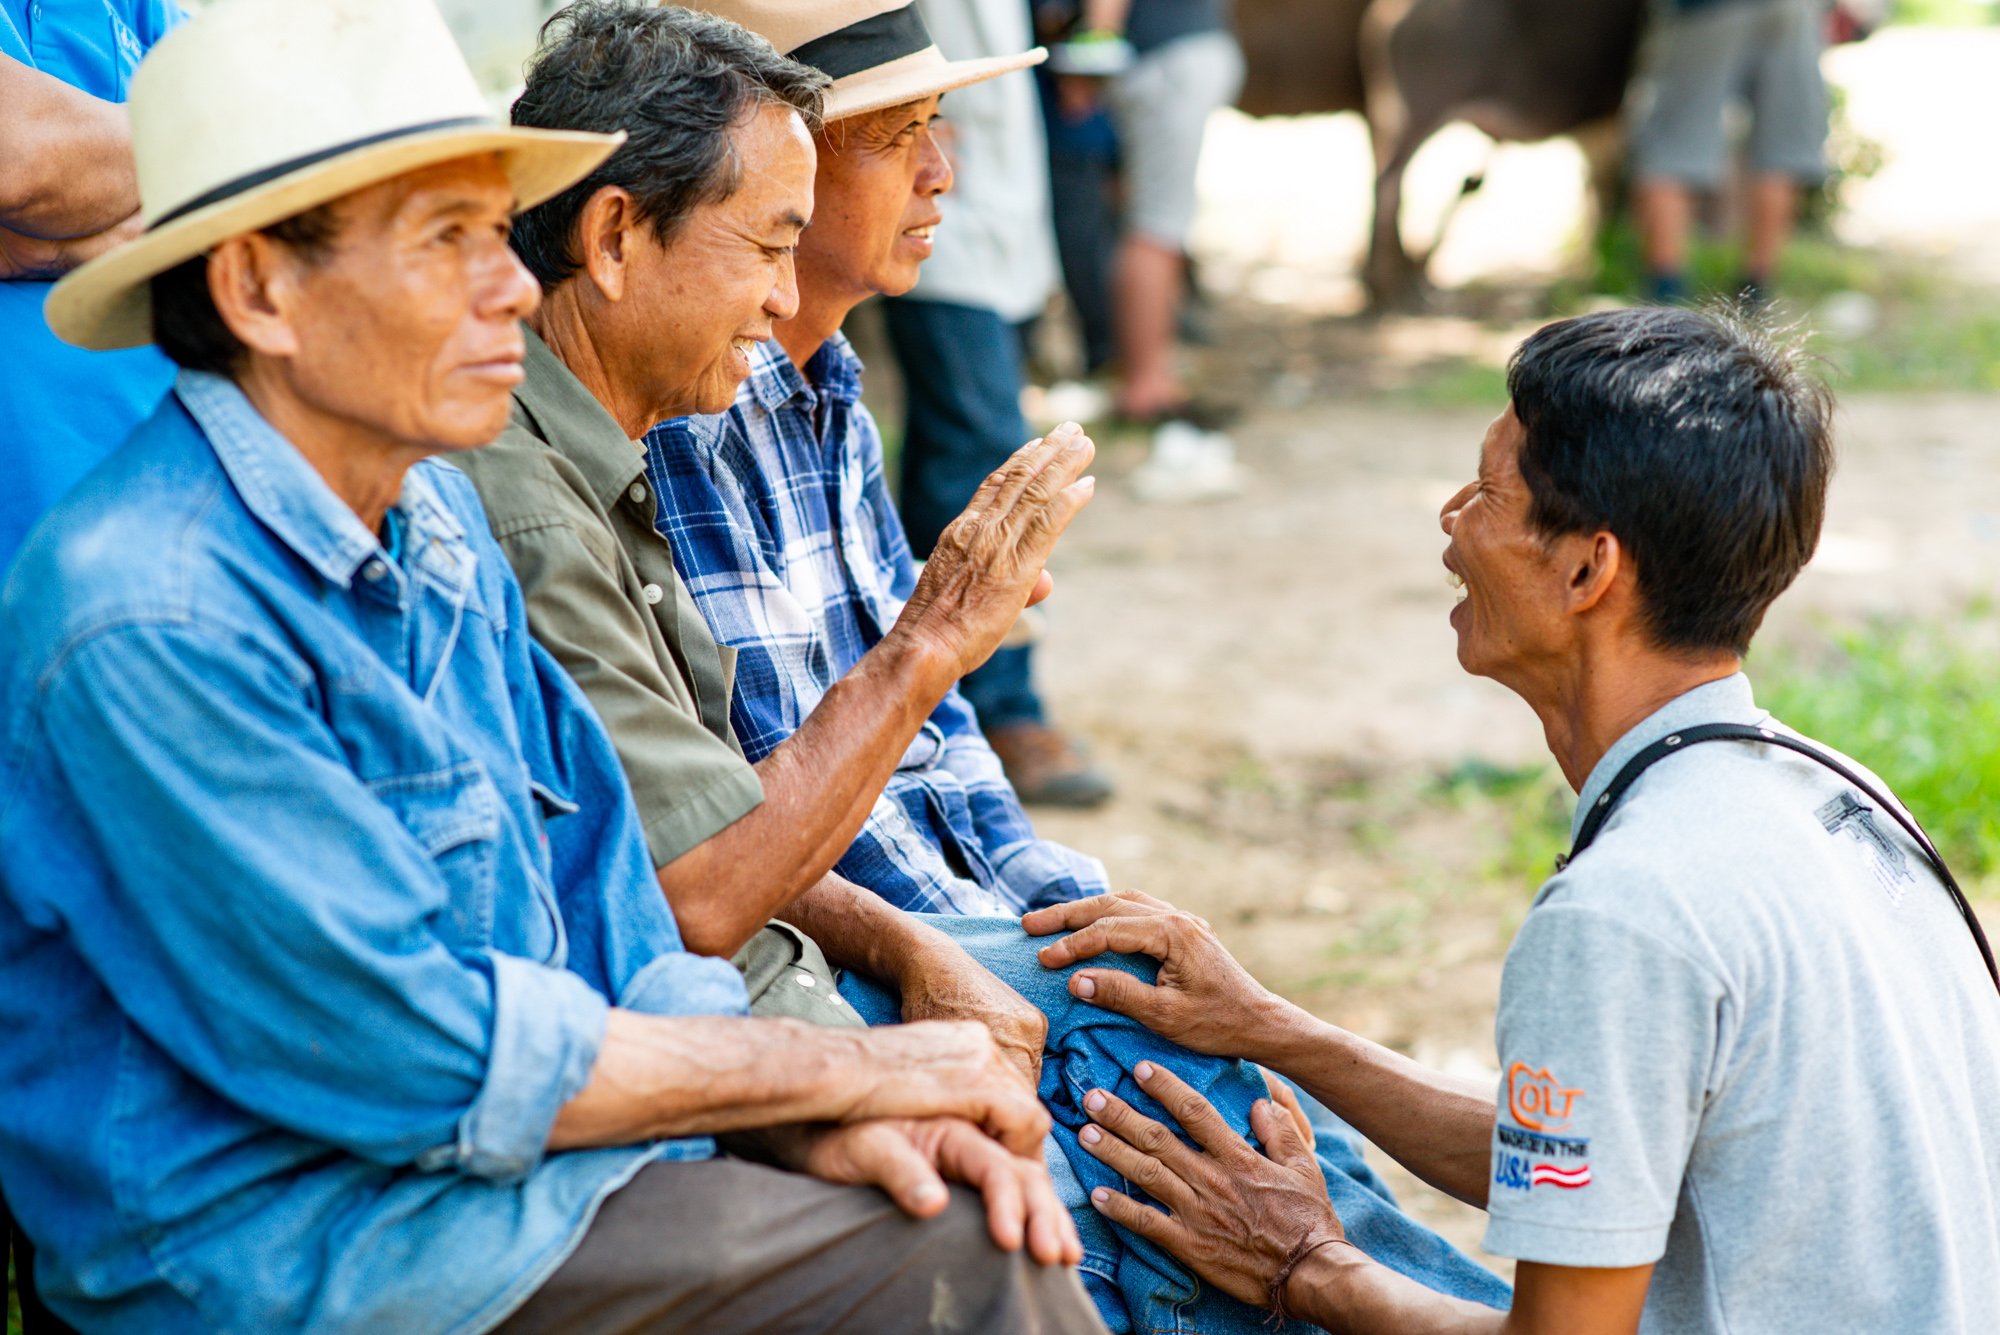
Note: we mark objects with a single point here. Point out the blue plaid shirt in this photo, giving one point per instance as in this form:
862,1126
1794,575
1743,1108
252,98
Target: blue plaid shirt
786,536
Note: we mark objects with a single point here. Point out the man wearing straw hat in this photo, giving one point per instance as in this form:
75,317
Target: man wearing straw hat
659,269
339,991
782,527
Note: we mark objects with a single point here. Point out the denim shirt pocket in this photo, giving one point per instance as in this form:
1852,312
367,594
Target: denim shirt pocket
454,815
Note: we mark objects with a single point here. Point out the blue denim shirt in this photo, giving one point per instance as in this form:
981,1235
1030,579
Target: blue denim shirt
319,879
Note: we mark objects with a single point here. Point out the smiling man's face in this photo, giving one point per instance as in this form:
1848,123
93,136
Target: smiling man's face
880,174
727,273
1510,614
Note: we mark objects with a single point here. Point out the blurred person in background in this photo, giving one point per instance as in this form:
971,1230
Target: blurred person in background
1701,58
1169,66
68,193
958,339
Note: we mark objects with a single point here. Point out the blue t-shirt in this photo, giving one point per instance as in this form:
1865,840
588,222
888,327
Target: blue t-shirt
63,409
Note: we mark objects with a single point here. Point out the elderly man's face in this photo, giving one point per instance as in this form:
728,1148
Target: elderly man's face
409,327
726,274
879,178
1510,616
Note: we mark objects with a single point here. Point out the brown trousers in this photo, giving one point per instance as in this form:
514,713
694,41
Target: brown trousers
728,1247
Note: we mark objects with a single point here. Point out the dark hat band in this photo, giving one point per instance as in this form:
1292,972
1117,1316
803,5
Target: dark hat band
265,175
873,41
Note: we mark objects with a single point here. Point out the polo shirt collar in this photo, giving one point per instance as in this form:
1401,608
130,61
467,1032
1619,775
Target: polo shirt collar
288,495
569,419
1727,700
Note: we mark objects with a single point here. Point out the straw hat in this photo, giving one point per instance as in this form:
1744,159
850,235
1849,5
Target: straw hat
878,54
255,111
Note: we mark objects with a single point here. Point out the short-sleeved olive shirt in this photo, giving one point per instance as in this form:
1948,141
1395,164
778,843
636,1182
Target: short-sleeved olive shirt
567,495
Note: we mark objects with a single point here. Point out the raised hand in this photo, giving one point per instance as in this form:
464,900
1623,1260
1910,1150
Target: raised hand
912,1159
1240,1219
991,561
1202,999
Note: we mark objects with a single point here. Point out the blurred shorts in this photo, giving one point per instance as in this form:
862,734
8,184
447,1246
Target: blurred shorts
1161,106
1697,62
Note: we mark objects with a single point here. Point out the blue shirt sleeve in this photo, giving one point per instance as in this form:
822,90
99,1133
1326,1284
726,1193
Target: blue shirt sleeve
276,928
622,936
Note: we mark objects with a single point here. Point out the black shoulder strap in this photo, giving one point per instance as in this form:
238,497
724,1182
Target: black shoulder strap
1600,811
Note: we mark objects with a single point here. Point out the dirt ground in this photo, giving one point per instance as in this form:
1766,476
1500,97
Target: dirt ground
1271,678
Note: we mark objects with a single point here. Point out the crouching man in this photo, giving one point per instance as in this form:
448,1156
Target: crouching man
339,990
1748,1033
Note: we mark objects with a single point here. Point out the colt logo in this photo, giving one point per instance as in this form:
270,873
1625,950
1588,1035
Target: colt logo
1536,1100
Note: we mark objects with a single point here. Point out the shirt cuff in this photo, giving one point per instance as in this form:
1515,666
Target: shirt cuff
1552,1244
548,1026
1039,873
680,983
676,824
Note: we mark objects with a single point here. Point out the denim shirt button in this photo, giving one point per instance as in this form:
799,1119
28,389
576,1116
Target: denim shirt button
654,593
374,571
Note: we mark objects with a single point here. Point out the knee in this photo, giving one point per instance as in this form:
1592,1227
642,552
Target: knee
975,1286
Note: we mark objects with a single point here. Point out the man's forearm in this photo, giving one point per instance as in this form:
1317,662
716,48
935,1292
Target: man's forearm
658,1078
66,168
819,787
1341,1290
662,1076
859,930
1440,1127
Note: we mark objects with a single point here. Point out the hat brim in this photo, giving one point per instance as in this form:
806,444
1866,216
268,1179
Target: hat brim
107,303
912,79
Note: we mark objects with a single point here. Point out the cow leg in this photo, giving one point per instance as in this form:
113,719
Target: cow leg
1395,278
1603,145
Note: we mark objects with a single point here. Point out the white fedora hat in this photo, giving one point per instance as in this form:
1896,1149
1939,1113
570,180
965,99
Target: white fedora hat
255,111
877,52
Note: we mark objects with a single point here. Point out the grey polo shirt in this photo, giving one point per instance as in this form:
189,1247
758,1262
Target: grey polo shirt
1746,1036
566,492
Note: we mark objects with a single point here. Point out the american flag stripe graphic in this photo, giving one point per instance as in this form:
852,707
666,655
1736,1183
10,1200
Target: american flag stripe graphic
1547,1174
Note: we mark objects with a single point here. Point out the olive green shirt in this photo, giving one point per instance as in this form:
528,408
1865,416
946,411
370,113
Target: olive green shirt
566,492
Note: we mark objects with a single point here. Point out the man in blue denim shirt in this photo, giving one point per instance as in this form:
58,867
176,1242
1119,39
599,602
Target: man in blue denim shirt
339,991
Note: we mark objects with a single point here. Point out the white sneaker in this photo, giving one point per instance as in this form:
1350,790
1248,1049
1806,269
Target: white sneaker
1188,464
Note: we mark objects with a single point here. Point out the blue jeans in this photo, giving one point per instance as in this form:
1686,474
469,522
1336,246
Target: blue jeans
962,378
1137,1286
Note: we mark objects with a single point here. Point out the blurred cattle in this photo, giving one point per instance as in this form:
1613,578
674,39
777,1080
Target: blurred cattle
1518,70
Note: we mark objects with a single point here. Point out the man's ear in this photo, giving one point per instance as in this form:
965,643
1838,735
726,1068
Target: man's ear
254,283
605,237
1596,561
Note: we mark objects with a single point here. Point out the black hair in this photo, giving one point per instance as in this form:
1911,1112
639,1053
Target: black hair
1696,438
186,324
677,82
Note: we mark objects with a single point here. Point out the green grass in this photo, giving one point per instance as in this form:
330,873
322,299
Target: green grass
1950,350
1914,701
1944,13
1527,809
